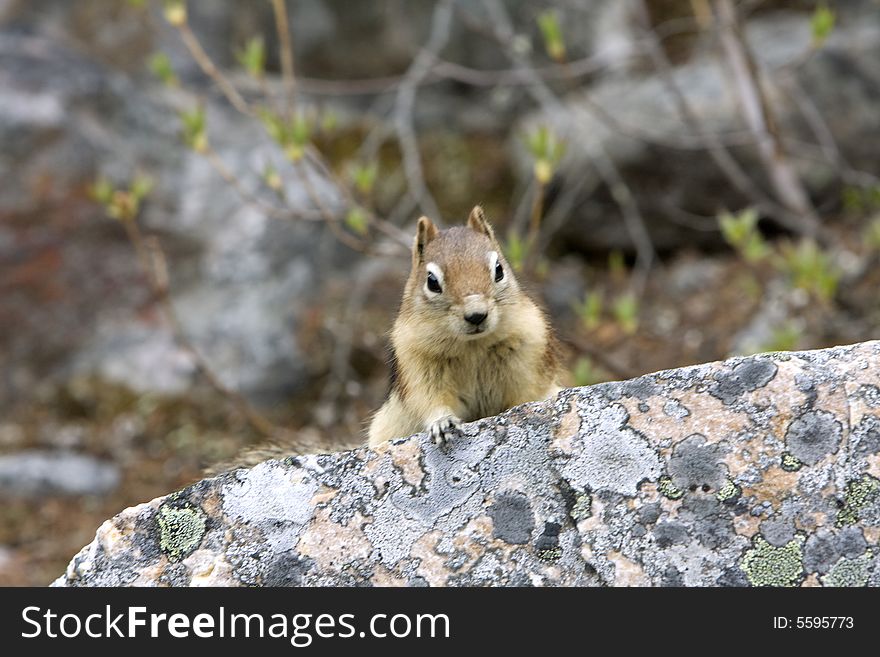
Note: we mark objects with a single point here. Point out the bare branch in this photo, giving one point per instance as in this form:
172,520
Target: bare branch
760,119
208,67
502,30
441,21
289,80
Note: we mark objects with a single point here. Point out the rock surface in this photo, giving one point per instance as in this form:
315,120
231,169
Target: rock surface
762,470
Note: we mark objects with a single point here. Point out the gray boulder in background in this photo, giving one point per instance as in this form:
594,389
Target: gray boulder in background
675,187
240,278
761,471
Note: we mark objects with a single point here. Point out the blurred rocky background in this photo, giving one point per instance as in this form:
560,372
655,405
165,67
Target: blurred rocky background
205,209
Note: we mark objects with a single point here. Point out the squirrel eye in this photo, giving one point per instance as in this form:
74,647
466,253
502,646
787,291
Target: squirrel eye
499,272
433,283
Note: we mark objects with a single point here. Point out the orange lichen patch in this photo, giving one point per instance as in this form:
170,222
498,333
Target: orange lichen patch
212,503
780,422
746,525
569,427
372,466
473,536
811,581
406,459
809,522
775,486
872,534
707,416
324,495
594,521
151,575
626,572
113,538
330,544
207,568
670,507
782,391
874,465
655,424
431,565
384,577
476,537
743,457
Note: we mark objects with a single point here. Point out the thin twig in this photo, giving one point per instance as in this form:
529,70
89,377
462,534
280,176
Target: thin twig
441,21
759,117
208,68
154,266
502,30
717,150
283,28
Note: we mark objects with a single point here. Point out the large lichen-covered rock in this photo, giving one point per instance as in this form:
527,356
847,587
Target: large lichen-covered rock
760,471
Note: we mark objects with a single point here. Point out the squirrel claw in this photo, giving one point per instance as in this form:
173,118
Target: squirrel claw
441,428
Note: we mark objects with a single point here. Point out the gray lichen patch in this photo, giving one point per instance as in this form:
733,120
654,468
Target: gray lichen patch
181,529
694,463
813,435
611,455
512,518
746,376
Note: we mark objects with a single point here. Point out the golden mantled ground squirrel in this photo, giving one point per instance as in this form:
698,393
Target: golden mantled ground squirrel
467,343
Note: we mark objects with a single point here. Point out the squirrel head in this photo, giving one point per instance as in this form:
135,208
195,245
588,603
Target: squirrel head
460,281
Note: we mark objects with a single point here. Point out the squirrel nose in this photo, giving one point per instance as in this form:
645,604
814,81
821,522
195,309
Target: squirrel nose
475,318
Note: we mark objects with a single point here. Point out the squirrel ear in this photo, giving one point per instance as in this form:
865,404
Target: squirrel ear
425,232
477,221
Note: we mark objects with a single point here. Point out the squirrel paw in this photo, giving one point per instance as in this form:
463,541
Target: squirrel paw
442,427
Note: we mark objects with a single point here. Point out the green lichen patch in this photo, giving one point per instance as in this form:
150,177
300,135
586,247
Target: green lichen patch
728,492
668,489
583,507
550,554
858,494
767,565
849,572
790,463
181,529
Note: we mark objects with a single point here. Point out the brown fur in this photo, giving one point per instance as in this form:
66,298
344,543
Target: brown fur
447,370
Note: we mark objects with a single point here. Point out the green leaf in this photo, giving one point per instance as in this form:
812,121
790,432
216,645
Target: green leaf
872,235
253,57
140,187
160,66
590,309
364,177
616,264
741,232
272,178
585,373
626,311
194,129
356,219
101,191
809,268
822,24
554,43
